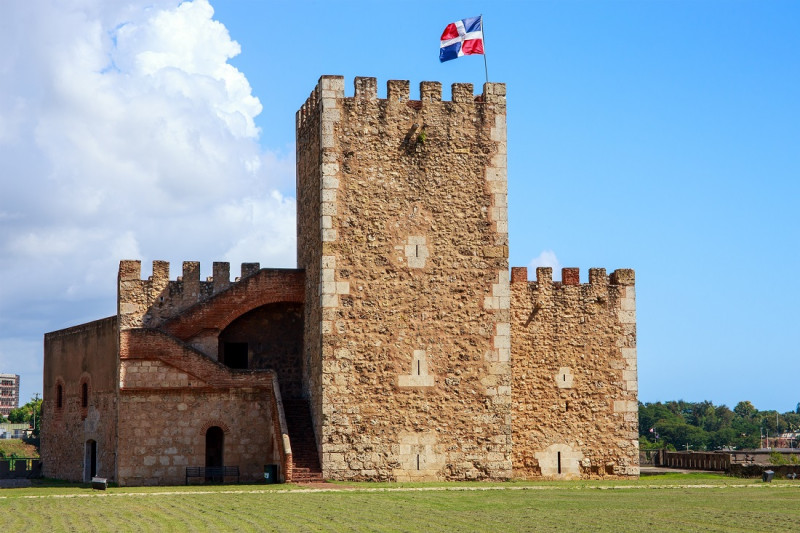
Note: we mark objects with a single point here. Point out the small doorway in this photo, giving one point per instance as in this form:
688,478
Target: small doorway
215,443
90,461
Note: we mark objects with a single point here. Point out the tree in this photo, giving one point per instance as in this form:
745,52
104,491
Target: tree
722,438
724,417
18,416
745,409
704,415
702,425
30,413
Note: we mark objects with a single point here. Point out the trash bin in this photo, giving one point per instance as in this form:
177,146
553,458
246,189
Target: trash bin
270,473
767,476
99,483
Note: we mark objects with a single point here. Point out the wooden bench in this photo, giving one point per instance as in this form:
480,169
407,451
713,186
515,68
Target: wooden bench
212,473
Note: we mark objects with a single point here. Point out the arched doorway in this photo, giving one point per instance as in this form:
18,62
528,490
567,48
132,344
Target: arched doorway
90,461
215,452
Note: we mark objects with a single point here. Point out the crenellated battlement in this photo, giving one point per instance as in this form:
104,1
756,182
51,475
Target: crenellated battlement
145,302
130,270
571,277
398,92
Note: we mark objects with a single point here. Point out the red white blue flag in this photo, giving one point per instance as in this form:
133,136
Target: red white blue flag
462,38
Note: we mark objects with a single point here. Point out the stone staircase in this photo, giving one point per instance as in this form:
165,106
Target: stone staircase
305,459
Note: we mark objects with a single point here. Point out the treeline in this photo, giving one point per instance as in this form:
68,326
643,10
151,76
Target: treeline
678,425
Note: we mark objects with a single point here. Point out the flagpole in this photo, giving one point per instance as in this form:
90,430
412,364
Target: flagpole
483,38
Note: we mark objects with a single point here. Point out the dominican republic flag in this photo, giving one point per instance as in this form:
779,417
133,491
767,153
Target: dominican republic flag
462,38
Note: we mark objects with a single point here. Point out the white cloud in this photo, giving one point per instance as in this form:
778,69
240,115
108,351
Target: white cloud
546,259
125,134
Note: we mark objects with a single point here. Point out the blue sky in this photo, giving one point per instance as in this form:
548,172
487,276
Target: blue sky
662,136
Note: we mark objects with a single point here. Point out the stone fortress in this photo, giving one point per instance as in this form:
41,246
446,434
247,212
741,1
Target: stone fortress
401,348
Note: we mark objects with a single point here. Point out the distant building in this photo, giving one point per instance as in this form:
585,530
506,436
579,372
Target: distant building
786,440
9,393
14,431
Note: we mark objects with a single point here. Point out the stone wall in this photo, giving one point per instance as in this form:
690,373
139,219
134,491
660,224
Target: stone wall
72,357
170,394
402,231
315,160
165,431
574,364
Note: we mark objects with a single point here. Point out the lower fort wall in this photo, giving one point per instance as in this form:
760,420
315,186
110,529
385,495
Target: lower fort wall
74,357
171,395
165,431
574,392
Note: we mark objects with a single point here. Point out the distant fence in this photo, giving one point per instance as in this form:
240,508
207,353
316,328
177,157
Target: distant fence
20,467
750,463
697,460
718,461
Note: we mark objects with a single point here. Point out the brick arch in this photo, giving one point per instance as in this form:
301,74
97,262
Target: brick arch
263,288
211,423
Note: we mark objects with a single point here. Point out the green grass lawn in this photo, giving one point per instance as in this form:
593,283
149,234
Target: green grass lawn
659,503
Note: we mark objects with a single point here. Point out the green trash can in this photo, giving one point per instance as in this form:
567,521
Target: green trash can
270,474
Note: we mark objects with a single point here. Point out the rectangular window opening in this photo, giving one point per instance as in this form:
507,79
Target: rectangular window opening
559,462
235,355
419,371
417,461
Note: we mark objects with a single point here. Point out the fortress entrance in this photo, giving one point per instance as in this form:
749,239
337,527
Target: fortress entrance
268,337
90,461
215,448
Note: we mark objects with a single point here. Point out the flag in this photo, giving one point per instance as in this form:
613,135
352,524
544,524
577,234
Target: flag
462,38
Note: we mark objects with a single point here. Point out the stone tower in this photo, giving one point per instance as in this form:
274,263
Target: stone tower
403,235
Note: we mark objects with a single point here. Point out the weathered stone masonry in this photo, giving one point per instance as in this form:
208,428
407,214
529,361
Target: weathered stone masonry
574,366
412,279
417,352
72,357
158,384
